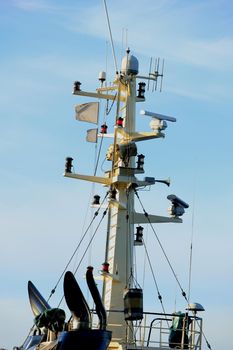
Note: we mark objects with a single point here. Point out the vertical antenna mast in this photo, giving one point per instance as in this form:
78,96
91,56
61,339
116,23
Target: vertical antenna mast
110,33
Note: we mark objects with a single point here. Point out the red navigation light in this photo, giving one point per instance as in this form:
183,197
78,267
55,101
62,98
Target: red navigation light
105,267
103,129
119,122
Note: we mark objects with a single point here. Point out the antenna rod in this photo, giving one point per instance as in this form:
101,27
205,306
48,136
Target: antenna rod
110,33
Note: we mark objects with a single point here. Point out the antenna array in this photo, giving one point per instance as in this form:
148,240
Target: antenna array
156,73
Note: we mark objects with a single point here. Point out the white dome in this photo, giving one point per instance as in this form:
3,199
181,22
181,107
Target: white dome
129,65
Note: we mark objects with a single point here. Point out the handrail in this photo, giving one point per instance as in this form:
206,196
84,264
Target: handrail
151,324
152,334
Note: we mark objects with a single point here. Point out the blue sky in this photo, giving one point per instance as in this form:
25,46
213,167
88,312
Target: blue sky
45,46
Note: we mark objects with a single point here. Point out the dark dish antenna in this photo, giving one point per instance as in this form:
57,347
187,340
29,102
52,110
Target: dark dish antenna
156,74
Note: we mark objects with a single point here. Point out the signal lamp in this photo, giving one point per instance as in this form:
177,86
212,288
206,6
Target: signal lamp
68,165
139,235
140,161
141,90
103,129
77,85
96,200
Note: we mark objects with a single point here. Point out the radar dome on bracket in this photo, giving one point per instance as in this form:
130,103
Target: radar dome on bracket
129,64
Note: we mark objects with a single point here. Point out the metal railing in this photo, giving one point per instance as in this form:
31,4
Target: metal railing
154,329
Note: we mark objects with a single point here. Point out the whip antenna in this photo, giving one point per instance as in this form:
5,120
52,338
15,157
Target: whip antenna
110,33
191,250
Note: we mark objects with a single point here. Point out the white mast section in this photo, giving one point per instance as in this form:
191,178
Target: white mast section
121,231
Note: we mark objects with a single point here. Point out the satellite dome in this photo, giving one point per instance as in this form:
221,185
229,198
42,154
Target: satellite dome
129,64
195,307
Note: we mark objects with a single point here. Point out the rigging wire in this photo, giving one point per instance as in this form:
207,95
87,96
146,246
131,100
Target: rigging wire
129,251
93,236
144,264
161,246
169,263
110,33
154,279
91,196
88,246
98,156
76,249
108,110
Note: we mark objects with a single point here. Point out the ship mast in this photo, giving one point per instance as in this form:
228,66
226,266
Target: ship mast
118,274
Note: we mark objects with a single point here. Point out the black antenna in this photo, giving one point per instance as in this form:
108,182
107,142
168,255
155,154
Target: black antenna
148,86
161,82
154,76
157,74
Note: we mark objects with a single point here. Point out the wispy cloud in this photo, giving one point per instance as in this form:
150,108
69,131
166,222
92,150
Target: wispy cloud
173,29
33,5
211,54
